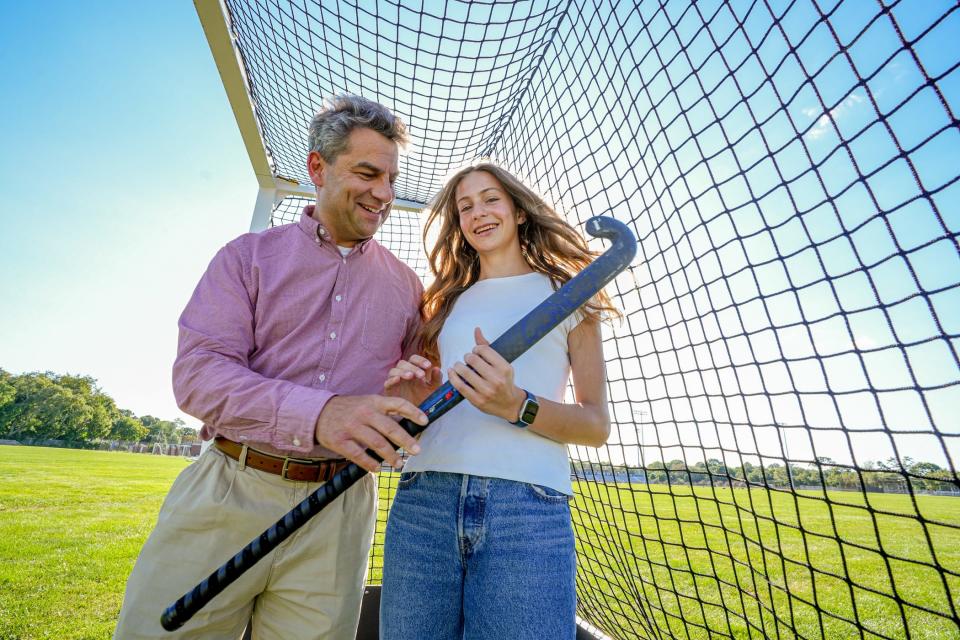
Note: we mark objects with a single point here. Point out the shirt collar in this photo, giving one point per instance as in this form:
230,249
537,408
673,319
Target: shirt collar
312,227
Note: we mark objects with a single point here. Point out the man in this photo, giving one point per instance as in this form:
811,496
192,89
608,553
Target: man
287,337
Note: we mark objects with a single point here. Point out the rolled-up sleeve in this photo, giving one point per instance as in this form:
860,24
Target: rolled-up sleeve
212,379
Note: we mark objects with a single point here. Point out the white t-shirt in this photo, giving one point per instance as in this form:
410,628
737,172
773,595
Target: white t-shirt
468,441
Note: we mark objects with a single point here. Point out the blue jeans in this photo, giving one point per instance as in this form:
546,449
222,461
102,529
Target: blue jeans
472,558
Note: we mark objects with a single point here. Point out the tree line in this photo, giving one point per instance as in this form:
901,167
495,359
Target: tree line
73,408
887,475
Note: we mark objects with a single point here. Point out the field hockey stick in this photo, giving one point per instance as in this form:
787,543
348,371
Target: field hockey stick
517,339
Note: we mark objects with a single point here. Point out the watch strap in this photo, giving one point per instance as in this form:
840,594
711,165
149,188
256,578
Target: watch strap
528,411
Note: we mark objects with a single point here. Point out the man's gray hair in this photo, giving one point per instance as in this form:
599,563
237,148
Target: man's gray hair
341,114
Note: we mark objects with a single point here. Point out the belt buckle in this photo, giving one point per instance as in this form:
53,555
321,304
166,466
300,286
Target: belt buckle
286,464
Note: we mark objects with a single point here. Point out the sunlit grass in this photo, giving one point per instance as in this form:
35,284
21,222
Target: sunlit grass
695,563
755,563
71,525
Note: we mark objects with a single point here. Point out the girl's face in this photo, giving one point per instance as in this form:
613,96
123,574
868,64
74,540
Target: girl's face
488,218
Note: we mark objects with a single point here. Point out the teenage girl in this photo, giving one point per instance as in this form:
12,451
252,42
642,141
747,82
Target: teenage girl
479,541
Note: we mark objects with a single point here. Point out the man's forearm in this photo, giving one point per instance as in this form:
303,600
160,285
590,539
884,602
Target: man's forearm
244,405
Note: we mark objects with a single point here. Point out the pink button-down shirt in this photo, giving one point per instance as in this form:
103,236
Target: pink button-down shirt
280,323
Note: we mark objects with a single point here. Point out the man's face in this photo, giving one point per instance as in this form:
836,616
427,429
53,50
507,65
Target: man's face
355,191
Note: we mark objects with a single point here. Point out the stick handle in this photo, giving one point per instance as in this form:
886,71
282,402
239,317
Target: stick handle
516,340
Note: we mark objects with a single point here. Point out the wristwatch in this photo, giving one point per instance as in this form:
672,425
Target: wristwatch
528,411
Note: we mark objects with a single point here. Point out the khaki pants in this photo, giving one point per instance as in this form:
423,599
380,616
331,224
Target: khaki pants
311,586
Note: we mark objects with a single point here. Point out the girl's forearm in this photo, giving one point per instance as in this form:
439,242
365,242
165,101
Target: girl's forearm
582,424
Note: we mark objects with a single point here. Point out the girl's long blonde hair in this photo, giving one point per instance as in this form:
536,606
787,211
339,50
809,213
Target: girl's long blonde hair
548,244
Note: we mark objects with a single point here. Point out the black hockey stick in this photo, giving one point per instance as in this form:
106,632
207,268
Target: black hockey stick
517,339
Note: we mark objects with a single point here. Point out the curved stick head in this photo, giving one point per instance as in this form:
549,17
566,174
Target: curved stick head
615,231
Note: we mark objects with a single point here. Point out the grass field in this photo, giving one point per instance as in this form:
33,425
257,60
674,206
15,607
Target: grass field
757,563
71,525
695,564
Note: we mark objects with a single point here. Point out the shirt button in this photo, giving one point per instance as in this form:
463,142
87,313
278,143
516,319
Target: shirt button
333,335
296,442
338,298
317,240
322,377
321,231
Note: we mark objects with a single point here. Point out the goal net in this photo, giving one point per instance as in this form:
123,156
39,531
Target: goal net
785,385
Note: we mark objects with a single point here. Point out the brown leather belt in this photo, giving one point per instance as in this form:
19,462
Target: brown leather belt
294,469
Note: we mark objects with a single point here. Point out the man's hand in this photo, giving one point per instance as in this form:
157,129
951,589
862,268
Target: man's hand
486,380
350,425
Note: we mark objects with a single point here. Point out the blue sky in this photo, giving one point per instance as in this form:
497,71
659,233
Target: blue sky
793,277
122,173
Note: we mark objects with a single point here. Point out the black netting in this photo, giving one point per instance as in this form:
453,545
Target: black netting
785,386
400,233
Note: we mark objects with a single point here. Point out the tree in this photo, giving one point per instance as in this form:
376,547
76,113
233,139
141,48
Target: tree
163,431
49,406
187,434
698,473
717,467
678,472
932,477
656,473
126,426
776,475
8,392
96,408
45,409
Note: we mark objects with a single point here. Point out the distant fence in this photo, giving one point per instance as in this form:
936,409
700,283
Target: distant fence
189,449
636,477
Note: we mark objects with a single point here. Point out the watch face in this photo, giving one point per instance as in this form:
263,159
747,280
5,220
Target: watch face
530,408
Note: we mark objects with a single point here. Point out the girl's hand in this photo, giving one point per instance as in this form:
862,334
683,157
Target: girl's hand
486,380
412,379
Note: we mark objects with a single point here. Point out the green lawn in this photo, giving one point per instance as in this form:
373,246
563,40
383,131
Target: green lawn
752,564
71,525
701,564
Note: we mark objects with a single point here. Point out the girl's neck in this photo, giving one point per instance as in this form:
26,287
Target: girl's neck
503,265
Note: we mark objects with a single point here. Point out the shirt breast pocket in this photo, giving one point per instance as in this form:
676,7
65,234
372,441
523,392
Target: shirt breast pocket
384,325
